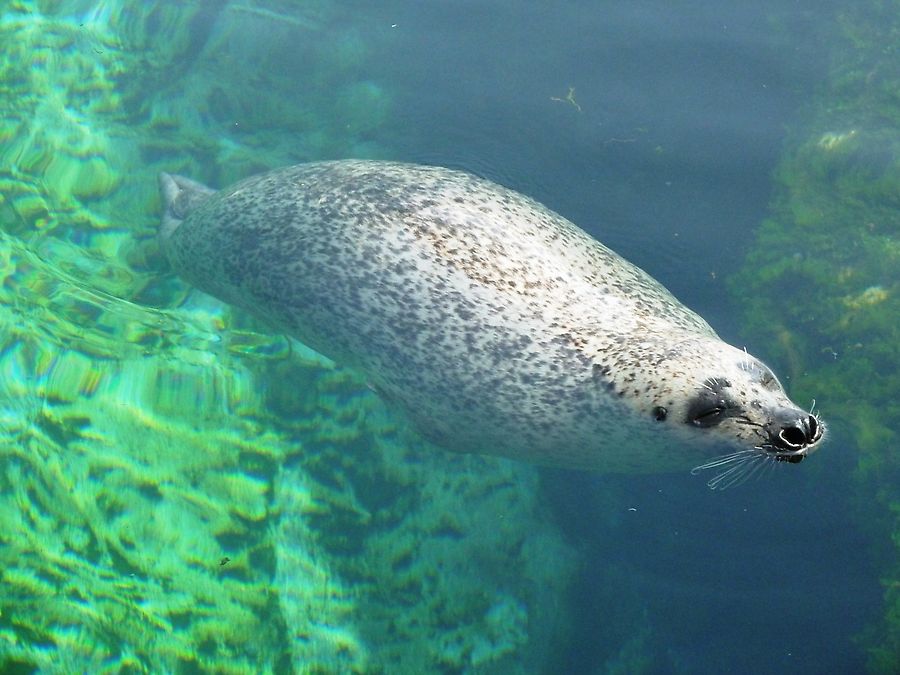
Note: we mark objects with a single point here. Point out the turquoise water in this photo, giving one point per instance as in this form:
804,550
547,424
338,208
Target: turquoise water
184,491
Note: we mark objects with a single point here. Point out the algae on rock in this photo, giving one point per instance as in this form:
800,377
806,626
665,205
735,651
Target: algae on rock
822,283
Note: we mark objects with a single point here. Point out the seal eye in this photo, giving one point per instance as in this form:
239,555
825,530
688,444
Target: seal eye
660,413
709,417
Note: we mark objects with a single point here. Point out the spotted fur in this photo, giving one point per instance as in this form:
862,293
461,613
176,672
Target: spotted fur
496,324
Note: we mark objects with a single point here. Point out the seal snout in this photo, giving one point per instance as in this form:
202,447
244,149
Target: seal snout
793,435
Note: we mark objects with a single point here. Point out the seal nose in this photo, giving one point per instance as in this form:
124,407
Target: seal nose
794,434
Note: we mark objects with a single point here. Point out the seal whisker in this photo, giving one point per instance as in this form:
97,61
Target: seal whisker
770,466
745,361
741,466
750,469
740,455
760,463
733,476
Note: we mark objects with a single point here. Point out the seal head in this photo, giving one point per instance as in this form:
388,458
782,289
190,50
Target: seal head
713,390
745,400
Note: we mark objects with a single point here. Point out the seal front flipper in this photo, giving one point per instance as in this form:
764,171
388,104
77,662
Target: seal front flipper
180,196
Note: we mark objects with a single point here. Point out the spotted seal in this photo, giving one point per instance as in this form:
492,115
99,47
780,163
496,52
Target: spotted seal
498,326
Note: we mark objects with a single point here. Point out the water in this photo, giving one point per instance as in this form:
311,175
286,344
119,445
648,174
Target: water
183,491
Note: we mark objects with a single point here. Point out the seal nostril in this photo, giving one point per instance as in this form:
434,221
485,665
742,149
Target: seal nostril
793,437
813,426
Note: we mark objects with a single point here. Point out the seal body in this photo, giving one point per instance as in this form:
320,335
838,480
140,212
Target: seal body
499,326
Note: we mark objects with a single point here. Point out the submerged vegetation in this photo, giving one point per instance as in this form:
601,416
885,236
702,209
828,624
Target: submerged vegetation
178,491
822,284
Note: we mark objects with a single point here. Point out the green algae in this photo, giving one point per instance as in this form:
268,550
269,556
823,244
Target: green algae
179,490
822,283
122,500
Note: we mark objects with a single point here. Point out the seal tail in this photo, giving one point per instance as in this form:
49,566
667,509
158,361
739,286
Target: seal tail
180,196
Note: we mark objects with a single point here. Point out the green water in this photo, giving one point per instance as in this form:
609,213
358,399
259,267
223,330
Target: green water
181,492
823,280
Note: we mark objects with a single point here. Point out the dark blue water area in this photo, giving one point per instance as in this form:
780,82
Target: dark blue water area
683,110
772,576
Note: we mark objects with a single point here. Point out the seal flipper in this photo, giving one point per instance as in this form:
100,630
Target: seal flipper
180,196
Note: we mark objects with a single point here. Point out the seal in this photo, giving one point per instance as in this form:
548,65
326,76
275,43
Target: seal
497,325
